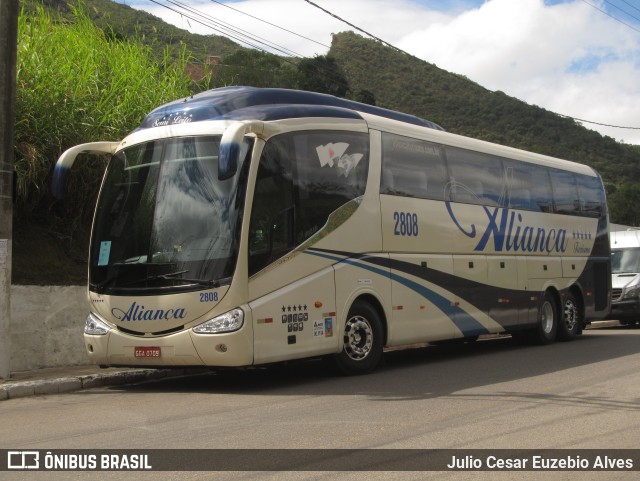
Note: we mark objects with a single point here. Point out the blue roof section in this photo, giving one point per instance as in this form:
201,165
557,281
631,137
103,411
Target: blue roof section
250,103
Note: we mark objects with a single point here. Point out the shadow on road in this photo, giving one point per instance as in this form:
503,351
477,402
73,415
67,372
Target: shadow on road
422,373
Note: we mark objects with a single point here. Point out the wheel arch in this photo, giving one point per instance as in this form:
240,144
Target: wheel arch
557,298
578,294
374,302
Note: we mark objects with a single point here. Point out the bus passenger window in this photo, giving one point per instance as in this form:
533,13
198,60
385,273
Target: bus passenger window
330,170
591,198
565,192
412,168
529,186
479,178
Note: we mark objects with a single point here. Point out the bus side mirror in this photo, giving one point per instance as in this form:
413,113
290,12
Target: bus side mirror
68,157
231,145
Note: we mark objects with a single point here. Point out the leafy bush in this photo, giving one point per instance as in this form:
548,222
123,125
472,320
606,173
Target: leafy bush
76,84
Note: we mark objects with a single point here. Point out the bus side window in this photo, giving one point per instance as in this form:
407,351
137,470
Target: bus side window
590,193
479,177
529,187
302,179
330,170
412,168
565,192
387,183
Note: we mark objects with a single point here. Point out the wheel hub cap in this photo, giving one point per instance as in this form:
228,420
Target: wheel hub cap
358,338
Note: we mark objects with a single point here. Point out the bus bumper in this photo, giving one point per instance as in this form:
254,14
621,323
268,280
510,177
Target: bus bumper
184,348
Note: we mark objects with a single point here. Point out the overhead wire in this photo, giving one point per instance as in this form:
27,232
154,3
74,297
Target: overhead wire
226,29
352,25
597,123
241,36
269,23
398,49
631,5
611,16
622,10
227,34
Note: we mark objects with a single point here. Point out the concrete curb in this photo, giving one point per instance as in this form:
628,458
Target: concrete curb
18,389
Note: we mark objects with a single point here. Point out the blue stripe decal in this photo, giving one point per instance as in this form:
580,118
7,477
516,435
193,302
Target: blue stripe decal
463,321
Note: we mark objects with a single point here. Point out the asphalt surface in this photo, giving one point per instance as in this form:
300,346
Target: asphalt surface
66,379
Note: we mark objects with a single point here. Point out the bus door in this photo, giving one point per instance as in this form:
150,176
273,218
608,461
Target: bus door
297,320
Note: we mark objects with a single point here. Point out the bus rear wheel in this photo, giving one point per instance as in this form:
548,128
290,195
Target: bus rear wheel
571,323
362,340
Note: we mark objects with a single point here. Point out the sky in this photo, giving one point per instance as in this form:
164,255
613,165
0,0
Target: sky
579,58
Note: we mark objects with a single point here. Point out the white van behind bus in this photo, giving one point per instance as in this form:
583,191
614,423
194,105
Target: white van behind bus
625,276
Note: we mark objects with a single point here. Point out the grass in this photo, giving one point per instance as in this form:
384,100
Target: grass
76,84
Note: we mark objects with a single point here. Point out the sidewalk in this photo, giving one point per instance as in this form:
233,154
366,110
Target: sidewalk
74,378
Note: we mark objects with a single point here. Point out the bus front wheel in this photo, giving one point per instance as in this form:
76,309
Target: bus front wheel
362,340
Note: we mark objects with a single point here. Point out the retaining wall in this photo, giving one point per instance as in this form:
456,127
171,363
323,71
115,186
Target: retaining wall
46,326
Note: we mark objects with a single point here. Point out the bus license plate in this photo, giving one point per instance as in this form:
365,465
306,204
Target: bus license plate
146,351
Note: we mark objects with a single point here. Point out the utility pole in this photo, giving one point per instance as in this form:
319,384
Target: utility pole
8,53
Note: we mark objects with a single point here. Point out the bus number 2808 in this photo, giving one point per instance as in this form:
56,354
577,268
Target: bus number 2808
208,297
406,224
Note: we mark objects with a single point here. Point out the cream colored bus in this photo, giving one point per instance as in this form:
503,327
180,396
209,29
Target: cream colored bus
247,226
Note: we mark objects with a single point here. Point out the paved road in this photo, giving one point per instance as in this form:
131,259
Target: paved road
491,394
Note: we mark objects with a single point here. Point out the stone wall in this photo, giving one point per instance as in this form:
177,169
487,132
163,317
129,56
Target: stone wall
46,326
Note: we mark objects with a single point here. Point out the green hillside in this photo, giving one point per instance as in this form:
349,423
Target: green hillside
408,84
123,22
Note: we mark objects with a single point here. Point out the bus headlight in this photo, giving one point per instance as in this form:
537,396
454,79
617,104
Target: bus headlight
632,292
95,326
227,322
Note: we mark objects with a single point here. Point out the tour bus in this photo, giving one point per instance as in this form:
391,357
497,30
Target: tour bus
625,280
246,226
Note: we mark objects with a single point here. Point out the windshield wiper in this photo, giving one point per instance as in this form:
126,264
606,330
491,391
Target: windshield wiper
170,277
99,288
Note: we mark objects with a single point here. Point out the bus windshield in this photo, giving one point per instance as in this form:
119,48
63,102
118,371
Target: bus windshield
164,221
625,261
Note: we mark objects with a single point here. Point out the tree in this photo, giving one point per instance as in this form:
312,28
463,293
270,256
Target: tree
623,204
322,74
255,69
365,96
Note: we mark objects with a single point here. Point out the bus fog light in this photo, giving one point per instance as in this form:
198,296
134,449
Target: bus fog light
95,326
228,322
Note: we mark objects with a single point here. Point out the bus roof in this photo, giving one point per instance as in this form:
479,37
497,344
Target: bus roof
250,103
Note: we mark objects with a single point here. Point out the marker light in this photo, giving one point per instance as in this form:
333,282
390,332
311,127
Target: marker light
95,326
230,321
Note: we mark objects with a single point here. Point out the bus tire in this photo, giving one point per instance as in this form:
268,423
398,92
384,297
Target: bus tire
570,325
362,340
547,322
